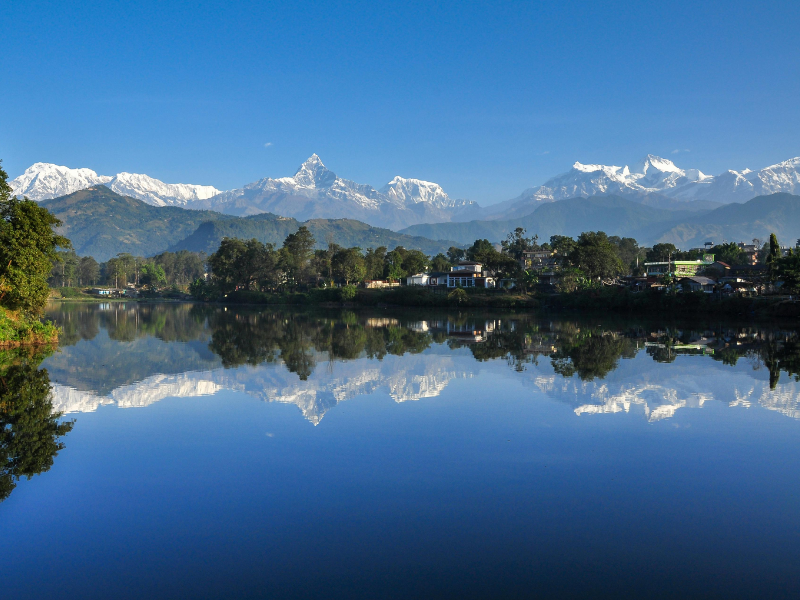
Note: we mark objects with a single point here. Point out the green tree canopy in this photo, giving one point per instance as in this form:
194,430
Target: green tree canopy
595,255
28,249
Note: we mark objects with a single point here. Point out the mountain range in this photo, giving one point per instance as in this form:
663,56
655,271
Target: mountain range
102,223
622,216
314,191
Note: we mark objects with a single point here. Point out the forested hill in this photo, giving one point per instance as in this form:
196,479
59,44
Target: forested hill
268,228
102,223
613,214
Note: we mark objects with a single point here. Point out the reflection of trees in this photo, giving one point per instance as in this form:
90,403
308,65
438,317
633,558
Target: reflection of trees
126,322
29,430
297,337
781,355
591,355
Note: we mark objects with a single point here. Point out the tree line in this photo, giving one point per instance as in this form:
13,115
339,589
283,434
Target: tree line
166,269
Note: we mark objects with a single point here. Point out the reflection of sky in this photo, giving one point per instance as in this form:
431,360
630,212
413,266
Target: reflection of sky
656,390
489,486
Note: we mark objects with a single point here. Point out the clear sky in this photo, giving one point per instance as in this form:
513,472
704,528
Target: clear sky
484,98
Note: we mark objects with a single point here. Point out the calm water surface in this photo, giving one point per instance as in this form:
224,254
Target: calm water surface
294,454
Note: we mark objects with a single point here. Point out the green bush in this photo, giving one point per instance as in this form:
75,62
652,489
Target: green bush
348,293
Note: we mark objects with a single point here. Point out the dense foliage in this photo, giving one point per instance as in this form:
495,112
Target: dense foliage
29,428
28,247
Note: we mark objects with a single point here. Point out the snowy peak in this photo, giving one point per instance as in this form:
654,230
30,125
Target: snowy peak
312,173
158,193
42,181
411,191
652,163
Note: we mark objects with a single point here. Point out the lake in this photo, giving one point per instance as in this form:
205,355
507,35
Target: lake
276,453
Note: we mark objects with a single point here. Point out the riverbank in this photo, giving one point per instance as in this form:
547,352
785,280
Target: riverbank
406,296
606,300
17,330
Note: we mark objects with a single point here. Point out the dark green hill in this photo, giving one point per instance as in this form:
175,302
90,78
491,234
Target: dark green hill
274,229
102,223
613,214
756,218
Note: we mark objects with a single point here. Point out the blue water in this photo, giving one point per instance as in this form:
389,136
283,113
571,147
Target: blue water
420,474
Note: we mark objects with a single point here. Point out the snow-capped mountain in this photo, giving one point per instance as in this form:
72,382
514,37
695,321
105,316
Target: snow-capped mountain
314,191
741,186
658,176
43,181
157,192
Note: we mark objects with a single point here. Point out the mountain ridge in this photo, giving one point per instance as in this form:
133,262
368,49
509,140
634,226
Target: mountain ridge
102,223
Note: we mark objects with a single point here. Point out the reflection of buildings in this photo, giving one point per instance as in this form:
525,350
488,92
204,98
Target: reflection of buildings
469,331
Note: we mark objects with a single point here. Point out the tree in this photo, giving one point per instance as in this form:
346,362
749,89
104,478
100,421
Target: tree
480,251
374,262
152,275
88,271
348,264
595,255
516,244
661,253
563,246
298,248
393,268
440,263
628,251
415,261
787,269
455,255
729,253
773,256
27,251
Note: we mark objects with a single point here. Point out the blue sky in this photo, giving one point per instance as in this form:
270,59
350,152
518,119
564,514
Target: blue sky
484,98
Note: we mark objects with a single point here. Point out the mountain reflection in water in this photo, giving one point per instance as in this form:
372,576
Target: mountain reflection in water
133,355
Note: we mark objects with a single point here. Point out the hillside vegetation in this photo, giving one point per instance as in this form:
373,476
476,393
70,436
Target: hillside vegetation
102,224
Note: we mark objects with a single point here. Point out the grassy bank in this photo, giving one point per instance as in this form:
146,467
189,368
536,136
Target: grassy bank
18,330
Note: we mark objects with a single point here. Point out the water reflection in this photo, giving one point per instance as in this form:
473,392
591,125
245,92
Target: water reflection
30,428
134,355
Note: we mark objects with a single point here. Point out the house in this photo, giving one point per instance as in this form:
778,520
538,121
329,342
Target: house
538,260
698,284
433,279
718,269
104,292
380,283
751,250
679,268
418,279
469,274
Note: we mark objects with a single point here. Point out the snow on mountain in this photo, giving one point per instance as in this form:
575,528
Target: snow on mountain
652,174
157,192
407,192
657,176
43,181
314,191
